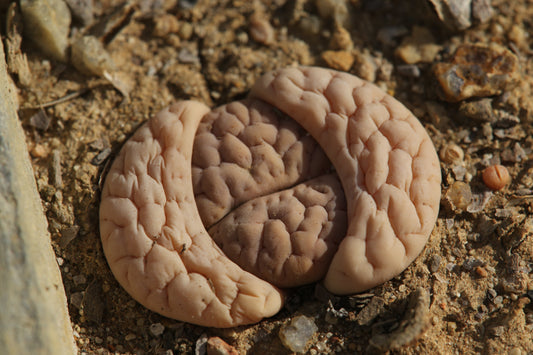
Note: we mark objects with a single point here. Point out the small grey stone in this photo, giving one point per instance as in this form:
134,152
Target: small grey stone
82,10
482,10
408,70
371,311
93,302
491,293
79,279
434,263
157,329
389,35
40,120
297,333
455,14
186,56
413,324
201,345
89,56
76,299
55,173
101,157
470,263
480,110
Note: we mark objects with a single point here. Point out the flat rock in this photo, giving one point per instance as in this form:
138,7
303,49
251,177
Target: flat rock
34,317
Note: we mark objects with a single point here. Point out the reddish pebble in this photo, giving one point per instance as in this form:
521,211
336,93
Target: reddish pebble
39,151
481,271
496,177
217,346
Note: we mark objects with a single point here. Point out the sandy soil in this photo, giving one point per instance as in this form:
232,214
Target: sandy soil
477,267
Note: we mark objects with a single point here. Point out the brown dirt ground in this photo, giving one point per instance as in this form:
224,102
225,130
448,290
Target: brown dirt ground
477,266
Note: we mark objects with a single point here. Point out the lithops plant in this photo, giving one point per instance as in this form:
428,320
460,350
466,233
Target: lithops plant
264,190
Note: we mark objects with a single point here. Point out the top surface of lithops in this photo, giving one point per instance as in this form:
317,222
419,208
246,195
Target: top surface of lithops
263,188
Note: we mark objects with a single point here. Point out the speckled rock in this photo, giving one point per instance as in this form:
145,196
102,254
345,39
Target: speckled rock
477,71
34,317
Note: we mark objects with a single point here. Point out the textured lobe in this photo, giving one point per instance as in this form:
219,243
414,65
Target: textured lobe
247,149
384,158
154,240
286,238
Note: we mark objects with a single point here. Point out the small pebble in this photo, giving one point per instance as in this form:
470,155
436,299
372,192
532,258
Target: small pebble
479,110
455,14
451,153
165,24
408,70
82,10
297,333
47,24
157,329
414,322
76,299
55,173
186,56
371,311
217,346
418,47
79,279
338,60
497,331
201,345
333,9
93,302
101,157
39,151
481,271
130,337
310,25
482,10
341,39
40,120
498,300
459,195
90,57
260,29
518,35
185,31
388,35
434,263
496,177
365,67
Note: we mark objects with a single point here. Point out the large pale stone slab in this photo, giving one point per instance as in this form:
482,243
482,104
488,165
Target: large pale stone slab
33,309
